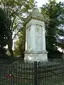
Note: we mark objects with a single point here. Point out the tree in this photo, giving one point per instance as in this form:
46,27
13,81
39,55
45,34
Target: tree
54,17
5,23
17,10
20,44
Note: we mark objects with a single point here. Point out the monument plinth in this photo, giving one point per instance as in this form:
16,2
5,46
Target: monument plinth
35,46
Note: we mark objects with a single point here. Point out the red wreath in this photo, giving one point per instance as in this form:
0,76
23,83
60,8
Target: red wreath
9,76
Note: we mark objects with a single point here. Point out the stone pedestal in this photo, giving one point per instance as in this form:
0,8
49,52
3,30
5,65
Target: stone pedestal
31,57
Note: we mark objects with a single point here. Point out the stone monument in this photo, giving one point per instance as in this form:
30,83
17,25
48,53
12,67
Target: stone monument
35,45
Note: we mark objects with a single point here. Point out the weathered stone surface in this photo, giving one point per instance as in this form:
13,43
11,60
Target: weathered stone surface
35,48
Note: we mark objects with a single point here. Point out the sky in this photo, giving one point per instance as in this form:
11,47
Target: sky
40,2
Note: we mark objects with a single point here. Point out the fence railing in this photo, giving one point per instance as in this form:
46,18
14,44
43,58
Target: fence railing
37,73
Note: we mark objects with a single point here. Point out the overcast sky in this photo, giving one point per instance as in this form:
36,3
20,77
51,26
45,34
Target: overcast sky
40,2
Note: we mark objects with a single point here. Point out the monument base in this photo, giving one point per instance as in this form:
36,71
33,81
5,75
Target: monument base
31,57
